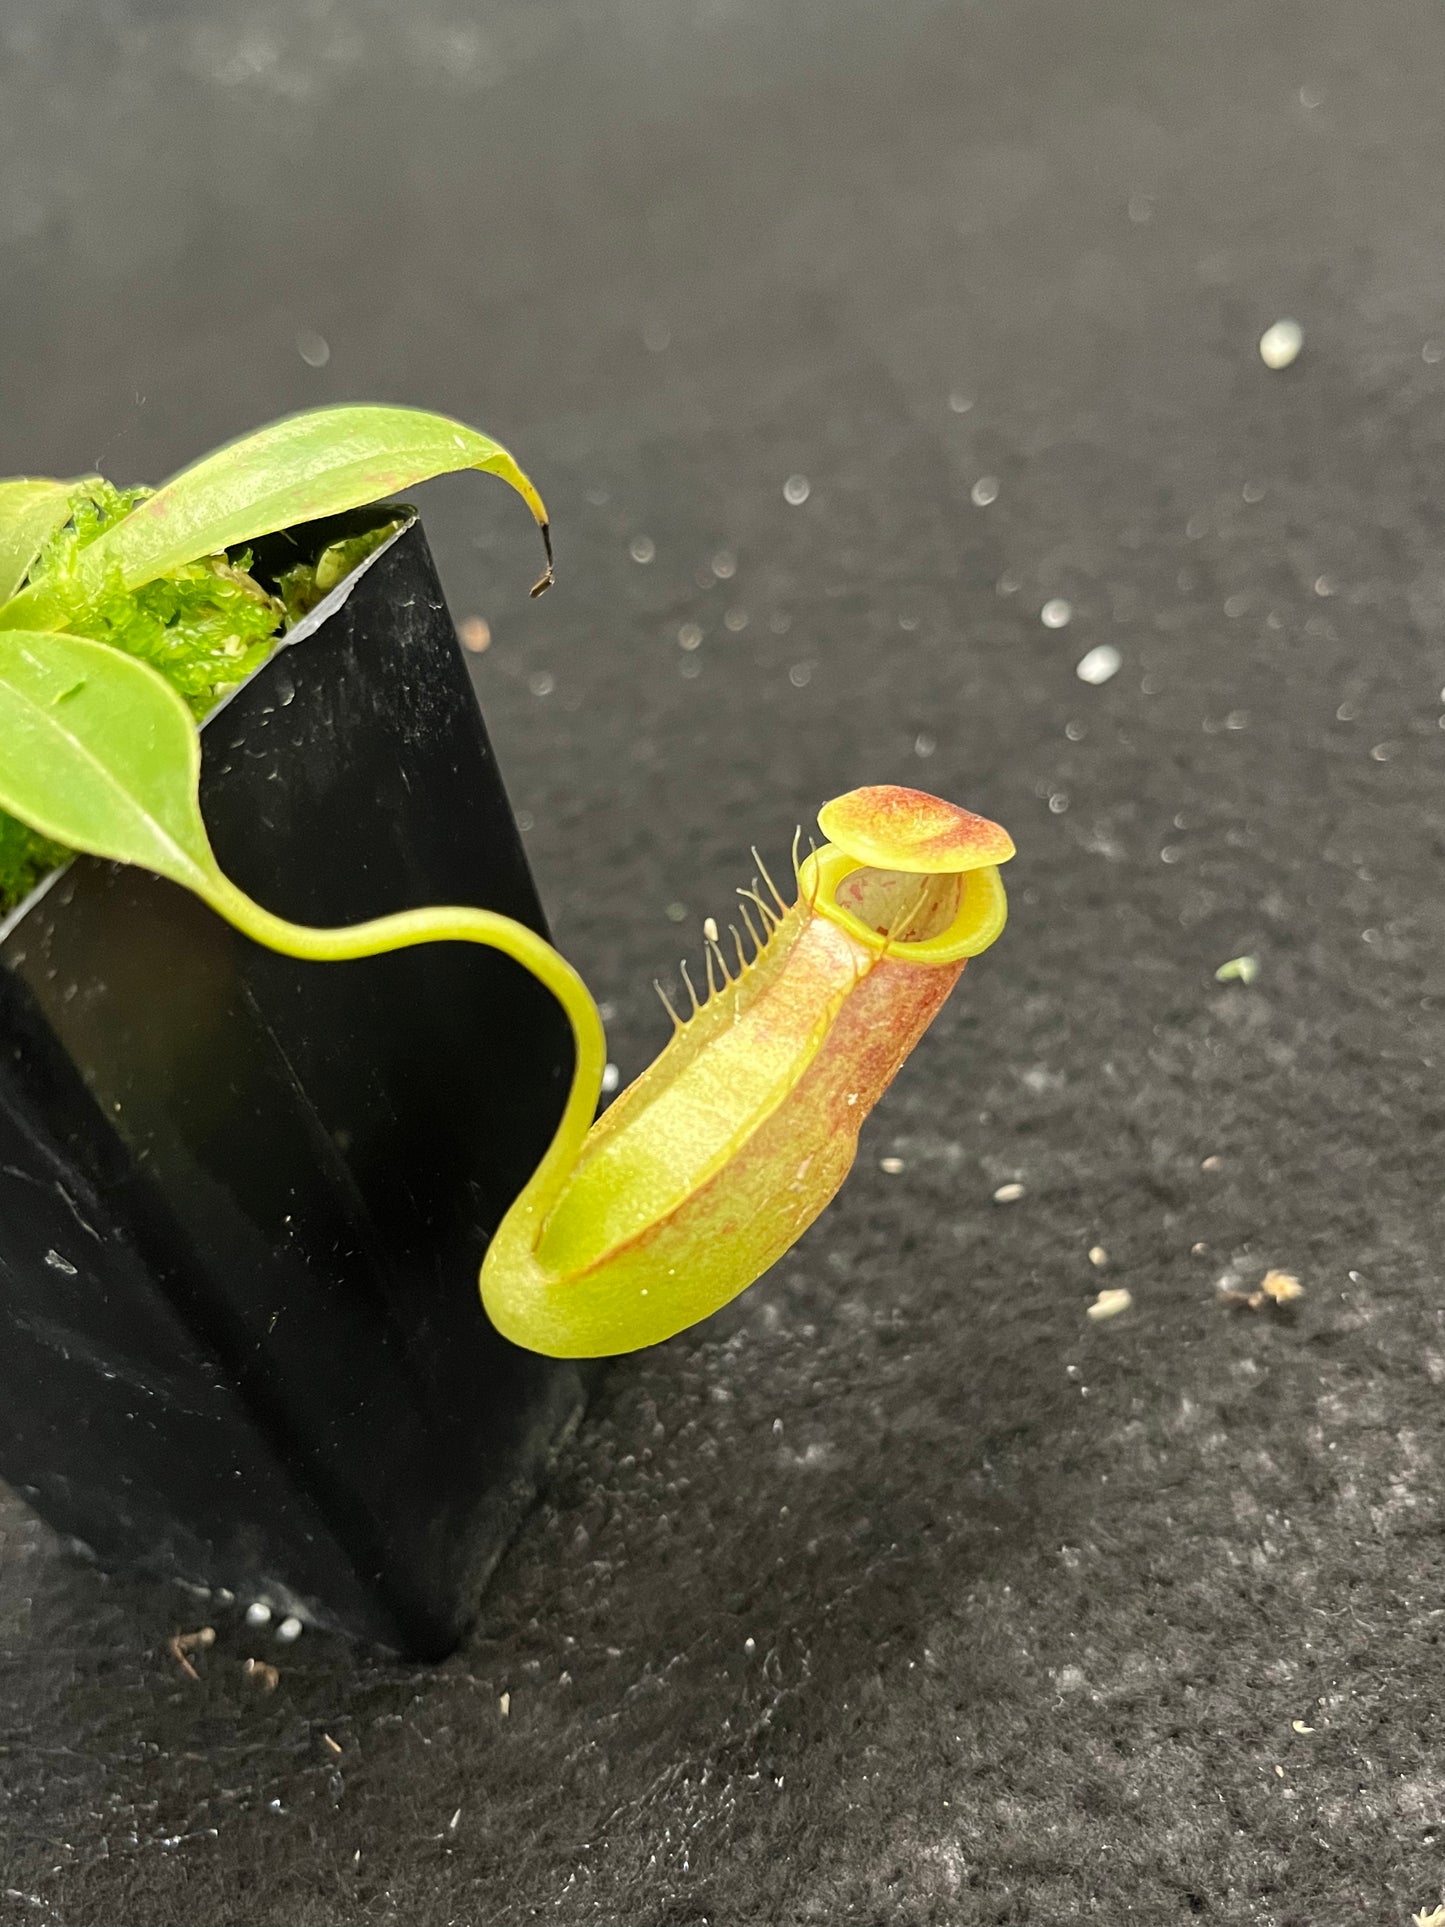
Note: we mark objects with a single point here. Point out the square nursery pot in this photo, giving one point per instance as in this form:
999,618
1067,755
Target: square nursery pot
243,1200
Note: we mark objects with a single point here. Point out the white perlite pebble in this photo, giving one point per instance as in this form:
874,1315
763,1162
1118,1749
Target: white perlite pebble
1109,1304
1056,612
289,1629
1280,344
258,1613
1008,1194
1099,664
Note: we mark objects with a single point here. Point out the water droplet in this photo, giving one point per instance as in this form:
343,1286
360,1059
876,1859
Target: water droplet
611,1078
724,565
1056,613
314,349
1311,96
1141,208
800,675
924,745
780,622
1433,351
1099,665
690,668
796,490
1058,802
689,636
736,620
1007,585
1385,752
1280,344
1196,526
959,403
984,491
1075,732
1235,605
1253,491
542,682
598,497
642,548
676,912
656,336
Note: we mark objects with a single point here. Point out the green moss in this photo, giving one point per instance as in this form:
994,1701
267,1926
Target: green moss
205,628
24,859
301,588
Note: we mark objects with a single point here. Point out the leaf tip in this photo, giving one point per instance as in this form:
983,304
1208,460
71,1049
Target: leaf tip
549,575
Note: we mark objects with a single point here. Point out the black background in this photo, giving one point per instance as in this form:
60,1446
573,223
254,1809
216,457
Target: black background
900,1592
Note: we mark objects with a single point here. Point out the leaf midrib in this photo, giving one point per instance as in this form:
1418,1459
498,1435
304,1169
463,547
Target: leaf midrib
194,872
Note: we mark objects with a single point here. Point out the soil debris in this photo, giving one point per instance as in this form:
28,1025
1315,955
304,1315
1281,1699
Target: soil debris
1276,1288
181,1645
1109,1304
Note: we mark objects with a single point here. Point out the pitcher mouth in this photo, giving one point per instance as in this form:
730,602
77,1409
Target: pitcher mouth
918,916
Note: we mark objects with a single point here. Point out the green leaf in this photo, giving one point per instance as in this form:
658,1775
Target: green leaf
320,463
31,510
97,751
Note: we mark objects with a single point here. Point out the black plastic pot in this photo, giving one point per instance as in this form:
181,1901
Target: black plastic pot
243,1200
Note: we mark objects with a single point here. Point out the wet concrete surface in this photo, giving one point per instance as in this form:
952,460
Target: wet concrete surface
902,1591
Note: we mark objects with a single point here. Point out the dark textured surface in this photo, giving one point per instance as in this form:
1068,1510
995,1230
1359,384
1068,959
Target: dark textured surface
902,1592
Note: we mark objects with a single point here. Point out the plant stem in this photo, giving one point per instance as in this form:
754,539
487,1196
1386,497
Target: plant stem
456,924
